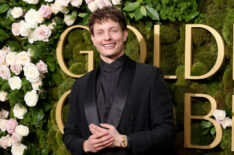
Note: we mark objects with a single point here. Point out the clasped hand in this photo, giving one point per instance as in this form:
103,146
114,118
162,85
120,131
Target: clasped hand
102,137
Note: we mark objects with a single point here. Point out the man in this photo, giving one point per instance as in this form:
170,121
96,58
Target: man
122,107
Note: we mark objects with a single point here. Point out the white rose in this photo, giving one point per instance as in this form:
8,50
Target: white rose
3,124
24,29
15,29
49,0
31,1
42,33
64,2
226,122
31,98
52,25
36,85
103,3
11,58
6,49
22,58
22,130
32,37
4,72
3,96
93,6
76,3
116,2
16,139
30,52
219,114
16,68
5,142
17,12
4,114
18,149
19,111
31,72
69,20
2,57
57,7
33,18
15,82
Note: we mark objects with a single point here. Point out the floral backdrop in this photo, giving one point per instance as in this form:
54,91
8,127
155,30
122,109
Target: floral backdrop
31,81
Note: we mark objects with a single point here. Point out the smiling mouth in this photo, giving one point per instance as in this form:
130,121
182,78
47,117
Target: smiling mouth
109,46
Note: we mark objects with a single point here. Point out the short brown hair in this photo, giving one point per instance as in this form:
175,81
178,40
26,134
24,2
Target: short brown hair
105,13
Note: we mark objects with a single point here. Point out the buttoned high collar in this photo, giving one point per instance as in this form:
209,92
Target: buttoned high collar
114,65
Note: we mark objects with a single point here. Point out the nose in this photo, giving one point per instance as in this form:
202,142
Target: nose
107,36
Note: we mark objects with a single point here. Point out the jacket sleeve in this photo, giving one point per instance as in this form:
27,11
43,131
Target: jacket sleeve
160,137
71,137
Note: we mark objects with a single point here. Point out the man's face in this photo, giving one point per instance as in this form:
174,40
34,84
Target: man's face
108,38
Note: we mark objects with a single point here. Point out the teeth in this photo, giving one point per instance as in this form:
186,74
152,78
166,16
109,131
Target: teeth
108,45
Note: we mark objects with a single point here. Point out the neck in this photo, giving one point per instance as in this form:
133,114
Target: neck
109,60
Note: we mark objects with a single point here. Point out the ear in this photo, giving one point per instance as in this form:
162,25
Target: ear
92,38
125,35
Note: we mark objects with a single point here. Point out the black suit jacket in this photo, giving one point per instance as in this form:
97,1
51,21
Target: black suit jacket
141,109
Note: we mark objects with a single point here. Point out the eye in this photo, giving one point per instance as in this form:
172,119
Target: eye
114,30
99,32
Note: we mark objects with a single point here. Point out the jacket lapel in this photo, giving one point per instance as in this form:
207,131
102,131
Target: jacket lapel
90,105
122,90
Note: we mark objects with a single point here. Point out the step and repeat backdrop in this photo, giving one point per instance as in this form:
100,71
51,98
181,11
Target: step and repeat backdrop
45,46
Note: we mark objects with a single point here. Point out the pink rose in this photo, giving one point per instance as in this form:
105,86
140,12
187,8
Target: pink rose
2,56
15,28
16,138
45,11
88,1
4,114
16,68
103,3
42,67
4,72
5,142
10,125
42,33
64,2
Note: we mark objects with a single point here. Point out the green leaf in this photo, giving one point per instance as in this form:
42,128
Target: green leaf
206,124
143,11
152,13
82,15
131,6
3,35
131,15
205,132
138,14
86,20
4,8
212,131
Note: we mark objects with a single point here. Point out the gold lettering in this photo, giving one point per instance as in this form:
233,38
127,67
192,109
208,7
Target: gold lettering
188,51
59,52
157,51
188,117
140,38
59,113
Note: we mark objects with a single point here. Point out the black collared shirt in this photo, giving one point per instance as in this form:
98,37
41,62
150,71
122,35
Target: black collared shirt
106,85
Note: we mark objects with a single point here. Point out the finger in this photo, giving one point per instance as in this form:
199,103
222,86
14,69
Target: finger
102,147
108,126
104,143
98,129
